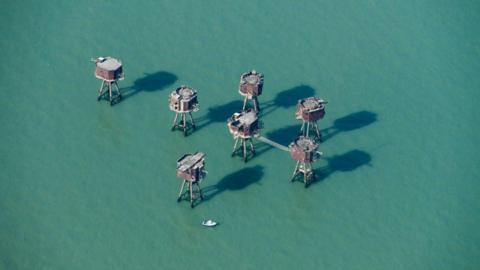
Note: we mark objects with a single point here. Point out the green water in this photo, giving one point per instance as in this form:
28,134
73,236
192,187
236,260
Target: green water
87,186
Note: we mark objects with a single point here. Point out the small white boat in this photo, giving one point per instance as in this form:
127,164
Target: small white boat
209,223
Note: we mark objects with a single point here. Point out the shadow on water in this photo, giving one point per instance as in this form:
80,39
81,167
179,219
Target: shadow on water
235,181
353,121
287,98
346,162
219,114
349,122
284,135
284,99
150,83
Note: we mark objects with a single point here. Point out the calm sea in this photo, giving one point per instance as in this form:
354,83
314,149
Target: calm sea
84,185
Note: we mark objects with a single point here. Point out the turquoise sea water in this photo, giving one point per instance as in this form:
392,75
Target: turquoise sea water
87,186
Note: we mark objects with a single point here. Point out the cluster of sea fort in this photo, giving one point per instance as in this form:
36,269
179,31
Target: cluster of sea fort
244,125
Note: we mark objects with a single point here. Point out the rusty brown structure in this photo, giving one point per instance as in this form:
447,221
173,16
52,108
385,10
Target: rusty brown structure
191,168
304,151
183,101
250,87
110,71
244,126
309,111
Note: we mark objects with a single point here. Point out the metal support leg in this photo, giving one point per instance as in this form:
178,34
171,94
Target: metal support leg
184,119
235,146
200,191
110,92
312,175
256,104
308,129
175,121
181,191
295,171
252,147
319,135
191,195
305,173
191,120
244,103
100,91
244,150
302,128
308,174
118,90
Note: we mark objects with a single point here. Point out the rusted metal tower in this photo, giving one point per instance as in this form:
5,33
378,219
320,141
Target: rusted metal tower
183,101
244,126
251,86
309,111
109,70
304,151
191,169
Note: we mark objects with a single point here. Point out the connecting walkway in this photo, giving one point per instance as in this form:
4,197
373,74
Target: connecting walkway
272,143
